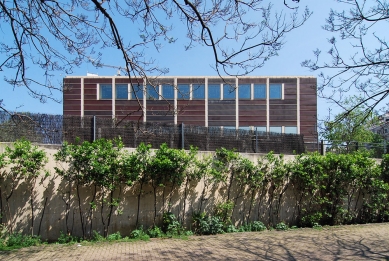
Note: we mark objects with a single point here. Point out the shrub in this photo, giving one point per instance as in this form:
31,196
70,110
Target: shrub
155,232
282,226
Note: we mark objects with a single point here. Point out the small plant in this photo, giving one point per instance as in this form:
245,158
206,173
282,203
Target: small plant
155,232
317,226
282,226
171,226
233,229
205,225
139,234
97,237
114,236
17,240
66,239
257,226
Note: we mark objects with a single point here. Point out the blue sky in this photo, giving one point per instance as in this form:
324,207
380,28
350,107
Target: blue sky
197,61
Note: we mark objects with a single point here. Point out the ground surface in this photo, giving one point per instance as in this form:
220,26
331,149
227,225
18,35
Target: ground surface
356,242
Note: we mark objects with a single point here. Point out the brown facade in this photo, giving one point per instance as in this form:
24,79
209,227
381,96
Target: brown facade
295,109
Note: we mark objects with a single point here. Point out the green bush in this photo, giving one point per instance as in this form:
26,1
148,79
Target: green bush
171,226
139,234
282,226
18,240
155,232
66,239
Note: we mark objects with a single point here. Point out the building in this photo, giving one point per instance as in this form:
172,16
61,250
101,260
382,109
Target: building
272,104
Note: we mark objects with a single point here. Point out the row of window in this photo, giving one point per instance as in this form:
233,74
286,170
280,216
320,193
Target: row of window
276,129
192,91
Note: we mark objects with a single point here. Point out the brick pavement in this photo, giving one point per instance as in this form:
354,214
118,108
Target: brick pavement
355,242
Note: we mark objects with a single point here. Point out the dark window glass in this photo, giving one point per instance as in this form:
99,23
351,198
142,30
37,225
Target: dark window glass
228,92
168,92
275,91
152,92
105,91
259,91
214,91
183,92
121,91
138,90
245,91
198,91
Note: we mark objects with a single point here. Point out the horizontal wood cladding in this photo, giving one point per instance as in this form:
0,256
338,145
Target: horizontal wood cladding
97,113
278,123
72,90
252,113
69,107
97,80
98,102
71,80
283,112
195,123
252,102
91,91
256,123
190,80
283,102
99,107
253,118
310,80
127,80
283,80
221,113
282,107
283,117
251,80
251,108
67,97
72,113
73,102
221,123
221,118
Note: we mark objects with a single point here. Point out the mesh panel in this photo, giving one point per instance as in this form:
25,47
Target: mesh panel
54,129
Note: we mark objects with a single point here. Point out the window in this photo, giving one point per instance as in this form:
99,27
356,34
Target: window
214,91
275,91
245,91
198,91
137,92
105,91
168,92
245,128
228,92
291,130
260,128
122,92
183,92
152,92
276,129
259,91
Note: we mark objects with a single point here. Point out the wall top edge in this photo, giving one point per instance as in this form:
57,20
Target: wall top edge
193,77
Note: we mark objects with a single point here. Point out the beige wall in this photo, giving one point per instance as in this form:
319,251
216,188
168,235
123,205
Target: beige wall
52,197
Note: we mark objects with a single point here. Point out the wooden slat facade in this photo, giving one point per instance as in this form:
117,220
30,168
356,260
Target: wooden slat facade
298,107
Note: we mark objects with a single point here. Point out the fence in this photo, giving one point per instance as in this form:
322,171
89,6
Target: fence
376,150
54,129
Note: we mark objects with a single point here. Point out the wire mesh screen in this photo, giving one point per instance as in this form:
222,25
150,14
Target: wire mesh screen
40,128
54,129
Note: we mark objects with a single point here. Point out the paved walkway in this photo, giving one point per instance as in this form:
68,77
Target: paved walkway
356,242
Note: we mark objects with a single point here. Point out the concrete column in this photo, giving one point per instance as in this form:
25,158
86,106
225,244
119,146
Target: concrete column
236,103
206,101
298,105
267,105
